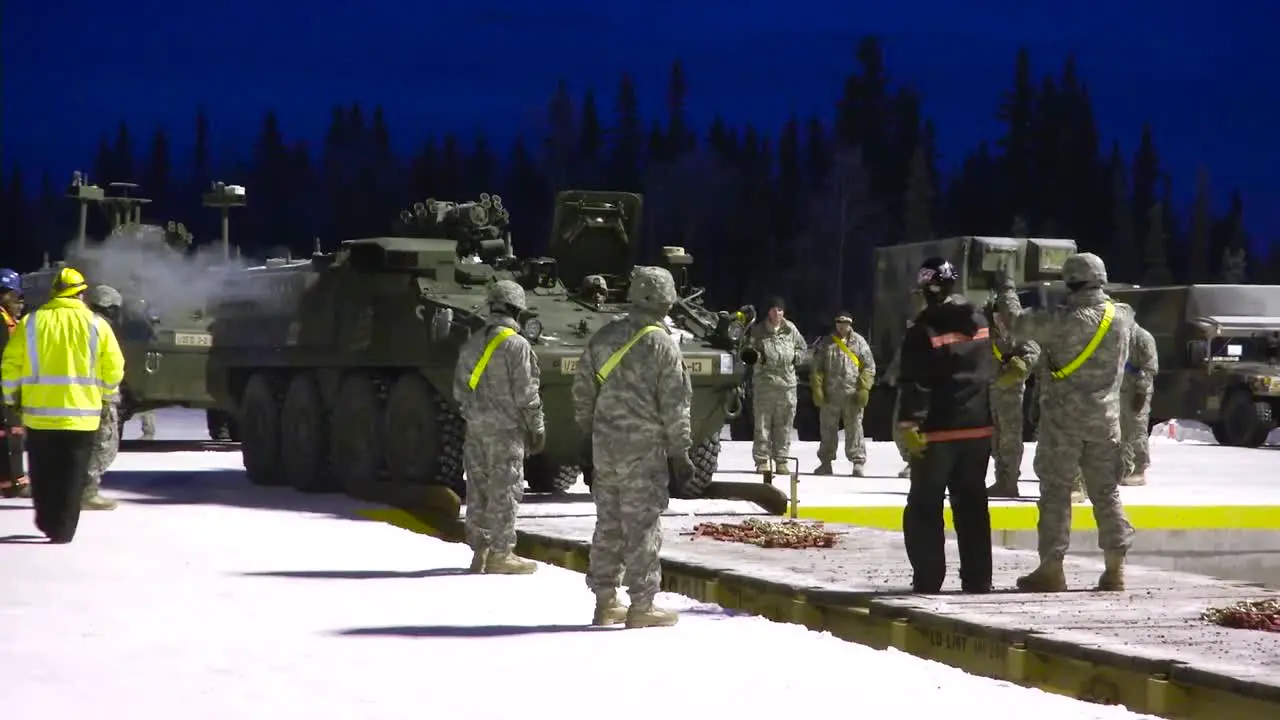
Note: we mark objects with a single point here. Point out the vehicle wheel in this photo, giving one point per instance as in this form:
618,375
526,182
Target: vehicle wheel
220,425
543,477
261,417
1244,422
355,435
304,452
423,445
706,457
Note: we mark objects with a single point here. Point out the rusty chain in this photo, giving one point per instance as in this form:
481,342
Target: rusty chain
767,534
1247,615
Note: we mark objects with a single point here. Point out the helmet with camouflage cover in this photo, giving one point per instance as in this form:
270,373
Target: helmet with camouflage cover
1084,270
652,288
103,296
505,294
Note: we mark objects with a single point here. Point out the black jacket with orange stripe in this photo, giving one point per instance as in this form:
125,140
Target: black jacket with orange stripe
946,371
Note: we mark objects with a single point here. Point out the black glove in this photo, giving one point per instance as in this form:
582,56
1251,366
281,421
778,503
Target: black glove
537,442
1138,402
681,466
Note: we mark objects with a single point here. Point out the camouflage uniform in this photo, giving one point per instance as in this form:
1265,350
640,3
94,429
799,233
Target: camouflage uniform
1080,418
148,425
104,300
503,410
899,440
632,395
1017,360
841,378
773,391
1135,406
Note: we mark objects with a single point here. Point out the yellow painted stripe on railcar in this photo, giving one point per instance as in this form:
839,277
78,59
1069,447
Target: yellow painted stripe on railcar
1024,517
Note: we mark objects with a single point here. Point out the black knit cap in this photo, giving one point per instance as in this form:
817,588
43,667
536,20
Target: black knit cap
776,302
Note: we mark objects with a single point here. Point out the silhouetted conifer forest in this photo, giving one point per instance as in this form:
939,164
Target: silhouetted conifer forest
796,214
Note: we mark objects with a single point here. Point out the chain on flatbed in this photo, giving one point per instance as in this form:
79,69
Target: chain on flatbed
768,534
1247,615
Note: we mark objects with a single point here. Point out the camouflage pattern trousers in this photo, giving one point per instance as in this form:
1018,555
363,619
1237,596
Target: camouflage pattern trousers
148,420
774,411
630,498
898,439
495,486
1006,445
106,445
1135,436
1062,455
837,409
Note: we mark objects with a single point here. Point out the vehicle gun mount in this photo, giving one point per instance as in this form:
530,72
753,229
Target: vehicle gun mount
224,197
479,227
121,206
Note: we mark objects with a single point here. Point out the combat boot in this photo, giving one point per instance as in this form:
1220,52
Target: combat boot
1004,490
649,615
823,469
1134,480
609,611
858,471
763,467
478,560
1048,578
1112,578
508,564
16,489
905,472
97,502
782,468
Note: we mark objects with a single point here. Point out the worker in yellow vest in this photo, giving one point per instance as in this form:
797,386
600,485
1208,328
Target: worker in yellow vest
840,378
60,366
13,475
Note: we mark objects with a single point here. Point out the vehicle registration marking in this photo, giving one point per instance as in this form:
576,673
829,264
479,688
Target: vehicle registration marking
695,366
568,366
192,339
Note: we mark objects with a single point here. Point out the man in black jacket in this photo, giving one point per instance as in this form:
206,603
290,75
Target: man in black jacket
945,419
13,474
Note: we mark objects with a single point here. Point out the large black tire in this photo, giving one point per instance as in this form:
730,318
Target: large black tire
423,440
356,435
221,425
706,457
544,477
1244,422
304,437
260,413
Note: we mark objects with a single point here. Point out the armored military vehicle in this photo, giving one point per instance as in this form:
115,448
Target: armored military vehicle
163,326
341,366
1032,263
1219,349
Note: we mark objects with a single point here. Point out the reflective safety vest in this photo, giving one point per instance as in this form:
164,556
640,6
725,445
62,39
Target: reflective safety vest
478,371
621,352
62,365
1108,314
9,320
857,364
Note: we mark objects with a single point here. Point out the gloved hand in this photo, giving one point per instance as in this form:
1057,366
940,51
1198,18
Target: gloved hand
1013,372
681,466
1138,402
819,395
537,442
915,440
861,397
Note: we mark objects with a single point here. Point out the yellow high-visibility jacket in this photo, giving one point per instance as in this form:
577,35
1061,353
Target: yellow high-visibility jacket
62,363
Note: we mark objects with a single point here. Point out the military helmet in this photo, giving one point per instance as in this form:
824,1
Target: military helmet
507,293
103,296
652,287
1084,269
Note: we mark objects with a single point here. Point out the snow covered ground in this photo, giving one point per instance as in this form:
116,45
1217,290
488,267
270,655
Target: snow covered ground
205,598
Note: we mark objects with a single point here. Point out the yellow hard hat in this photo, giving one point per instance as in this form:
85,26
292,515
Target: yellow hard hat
69,283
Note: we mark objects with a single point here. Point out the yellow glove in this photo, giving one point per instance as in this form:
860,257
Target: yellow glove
915,440
1013,372
819,395
861,397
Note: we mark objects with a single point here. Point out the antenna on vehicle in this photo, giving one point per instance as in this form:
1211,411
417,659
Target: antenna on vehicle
83,193
224,197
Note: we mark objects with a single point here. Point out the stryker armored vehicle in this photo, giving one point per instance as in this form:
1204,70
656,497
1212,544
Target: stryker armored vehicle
163,327
1032,263
1219,350
341,367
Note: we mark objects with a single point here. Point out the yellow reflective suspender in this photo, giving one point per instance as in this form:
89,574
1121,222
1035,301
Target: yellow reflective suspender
857,364
996,351
621,352
1108,314
483,362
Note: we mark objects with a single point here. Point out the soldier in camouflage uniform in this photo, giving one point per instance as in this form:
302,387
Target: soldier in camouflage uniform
1135,406
496,382
1016,362
774,348
631,397
891,376
1085,342
105,301
148,419
841,376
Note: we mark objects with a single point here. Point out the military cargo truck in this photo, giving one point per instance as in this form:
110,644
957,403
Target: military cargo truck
1032,263
163,325
1219,349
340,367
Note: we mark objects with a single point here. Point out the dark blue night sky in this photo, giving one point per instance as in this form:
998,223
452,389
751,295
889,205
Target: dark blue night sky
1202,73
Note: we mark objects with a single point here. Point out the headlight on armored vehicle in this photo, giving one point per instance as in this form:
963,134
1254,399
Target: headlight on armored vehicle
735,330
532,329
